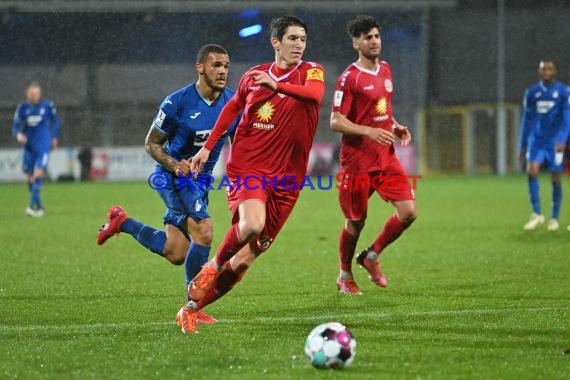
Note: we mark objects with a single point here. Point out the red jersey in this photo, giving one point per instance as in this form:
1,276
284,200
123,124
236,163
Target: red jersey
364,97
275,133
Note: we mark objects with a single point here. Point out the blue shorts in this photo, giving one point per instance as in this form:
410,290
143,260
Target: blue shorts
546,155
34,160
183,199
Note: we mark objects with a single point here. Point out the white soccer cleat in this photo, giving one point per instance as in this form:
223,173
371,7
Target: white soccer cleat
553,225
35,213
535,220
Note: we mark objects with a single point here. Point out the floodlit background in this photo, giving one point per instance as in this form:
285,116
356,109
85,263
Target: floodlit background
460,68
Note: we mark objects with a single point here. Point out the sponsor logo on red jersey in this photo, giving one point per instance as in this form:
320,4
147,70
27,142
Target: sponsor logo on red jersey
381,109
315,74
264,113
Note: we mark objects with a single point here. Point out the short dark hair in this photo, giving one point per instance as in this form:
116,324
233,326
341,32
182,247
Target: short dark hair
205,51
34,84
361,25
279,26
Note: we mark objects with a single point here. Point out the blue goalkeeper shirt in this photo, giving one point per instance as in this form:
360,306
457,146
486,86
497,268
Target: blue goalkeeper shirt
546,116
40,124
186,118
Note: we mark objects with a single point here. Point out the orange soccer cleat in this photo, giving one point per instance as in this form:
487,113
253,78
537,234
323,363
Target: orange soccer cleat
205,319
187,320
203,281
202,318
373,269
116,217
348,286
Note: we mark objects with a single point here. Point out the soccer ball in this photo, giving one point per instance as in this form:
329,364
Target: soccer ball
330,345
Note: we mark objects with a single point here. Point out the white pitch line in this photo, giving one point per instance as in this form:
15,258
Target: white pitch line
324,317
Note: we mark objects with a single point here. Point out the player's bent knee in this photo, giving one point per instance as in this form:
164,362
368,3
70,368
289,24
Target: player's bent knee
250,228
354,227
177,261
176,254
38,173
175,258
533,170
201,232
409,217
205,237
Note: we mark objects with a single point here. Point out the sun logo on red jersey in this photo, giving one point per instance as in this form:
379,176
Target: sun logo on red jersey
382,106
265,112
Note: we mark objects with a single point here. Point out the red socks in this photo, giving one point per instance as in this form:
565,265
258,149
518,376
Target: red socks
391,231
224,283
229,246
347,245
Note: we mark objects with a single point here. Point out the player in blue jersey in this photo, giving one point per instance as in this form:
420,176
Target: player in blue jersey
544,130
36,127
180,128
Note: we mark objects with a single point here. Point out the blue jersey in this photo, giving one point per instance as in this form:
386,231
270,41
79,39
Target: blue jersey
546,116
40,124
186,118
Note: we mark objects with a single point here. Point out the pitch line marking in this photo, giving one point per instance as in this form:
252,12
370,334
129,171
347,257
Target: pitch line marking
379,315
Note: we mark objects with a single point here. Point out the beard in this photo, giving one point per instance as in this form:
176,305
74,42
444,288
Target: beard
372,56
213,84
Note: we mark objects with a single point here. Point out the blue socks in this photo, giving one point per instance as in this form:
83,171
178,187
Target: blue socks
35,186
149,237
155,240
534,194
556,199
195,259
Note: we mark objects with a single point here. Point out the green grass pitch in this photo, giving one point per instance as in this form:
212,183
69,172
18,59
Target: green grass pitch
471,294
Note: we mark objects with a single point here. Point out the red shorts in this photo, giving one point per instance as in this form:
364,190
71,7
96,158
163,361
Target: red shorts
391,184
278,206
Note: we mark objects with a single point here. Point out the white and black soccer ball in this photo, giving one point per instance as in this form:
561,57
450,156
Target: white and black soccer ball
330,345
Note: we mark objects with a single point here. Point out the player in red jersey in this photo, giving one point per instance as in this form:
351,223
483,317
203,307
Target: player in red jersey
280,103
362,112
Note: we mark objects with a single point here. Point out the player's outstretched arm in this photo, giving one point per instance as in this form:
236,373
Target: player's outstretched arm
312,90
199,160
154,146
229,113
339,123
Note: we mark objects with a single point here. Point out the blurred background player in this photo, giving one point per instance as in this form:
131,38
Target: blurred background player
280,103
362,112
184,121
36,127
85,158
544,131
